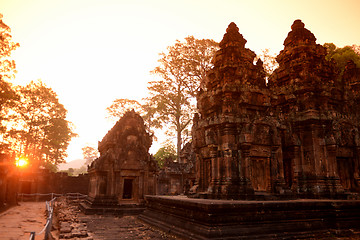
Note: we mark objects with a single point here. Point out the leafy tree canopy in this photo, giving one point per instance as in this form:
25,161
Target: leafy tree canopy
269,61
90,154
172,97
166,152
7,70
7,65
120,106
75,171
39,129
342,55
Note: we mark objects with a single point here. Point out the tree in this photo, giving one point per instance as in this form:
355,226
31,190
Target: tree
70,171
81,170
120,106
269,61
7,101
342,55
7,70
356,48
167,151
90,154
40,130
7,65
172,97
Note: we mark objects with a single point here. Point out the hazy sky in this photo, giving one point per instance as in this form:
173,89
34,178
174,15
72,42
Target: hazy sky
92,52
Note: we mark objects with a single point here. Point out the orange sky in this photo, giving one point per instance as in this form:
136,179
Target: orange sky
92,52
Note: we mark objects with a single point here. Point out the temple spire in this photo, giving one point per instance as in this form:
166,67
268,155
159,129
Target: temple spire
299,34
232,37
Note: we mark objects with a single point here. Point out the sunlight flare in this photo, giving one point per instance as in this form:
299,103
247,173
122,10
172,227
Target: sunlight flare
21,162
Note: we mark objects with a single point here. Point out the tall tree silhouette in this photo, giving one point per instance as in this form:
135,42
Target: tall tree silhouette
172,97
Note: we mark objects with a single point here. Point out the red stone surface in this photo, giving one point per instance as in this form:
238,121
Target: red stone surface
295,136
239,219
125,171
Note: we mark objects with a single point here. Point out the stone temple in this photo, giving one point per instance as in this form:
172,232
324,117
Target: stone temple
125,172
296,136
290,145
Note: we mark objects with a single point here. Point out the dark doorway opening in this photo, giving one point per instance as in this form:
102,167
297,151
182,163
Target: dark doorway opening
102,188
346,169
128,188
288,172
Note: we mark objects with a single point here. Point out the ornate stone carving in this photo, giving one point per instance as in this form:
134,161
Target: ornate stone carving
232,101
125,171
297,135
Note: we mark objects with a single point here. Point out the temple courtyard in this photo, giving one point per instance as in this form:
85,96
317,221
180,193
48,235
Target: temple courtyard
17,222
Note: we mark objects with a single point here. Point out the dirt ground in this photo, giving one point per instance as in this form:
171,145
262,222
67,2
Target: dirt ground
126,227
17,222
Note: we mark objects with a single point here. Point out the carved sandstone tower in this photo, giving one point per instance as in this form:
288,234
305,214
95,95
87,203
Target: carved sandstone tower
296,136
309,96
125,172
237,143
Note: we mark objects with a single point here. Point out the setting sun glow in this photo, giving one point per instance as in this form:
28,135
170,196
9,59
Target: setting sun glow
22,162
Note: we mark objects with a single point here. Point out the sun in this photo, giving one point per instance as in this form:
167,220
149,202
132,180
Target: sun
21,162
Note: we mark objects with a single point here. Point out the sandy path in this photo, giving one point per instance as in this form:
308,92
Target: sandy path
17,222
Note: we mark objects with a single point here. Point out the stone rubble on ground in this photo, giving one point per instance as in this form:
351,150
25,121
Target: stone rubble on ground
67,223
71,223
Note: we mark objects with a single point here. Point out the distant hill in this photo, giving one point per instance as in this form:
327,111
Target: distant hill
78,163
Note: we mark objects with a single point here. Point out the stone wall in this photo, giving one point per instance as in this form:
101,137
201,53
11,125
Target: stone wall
8,181
43,181
176,178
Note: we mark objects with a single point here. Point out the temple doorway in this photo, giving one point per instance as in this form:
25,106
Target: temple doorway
345,167
288,172
260,173
128,189
206,173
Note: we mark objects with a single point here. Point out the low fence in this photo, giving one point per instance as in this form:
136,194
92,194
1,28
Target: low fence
22,197
50,208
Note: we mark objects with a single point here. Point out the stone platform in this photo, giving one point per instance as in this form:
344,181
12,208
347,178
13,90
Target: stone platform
109,206
229,219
